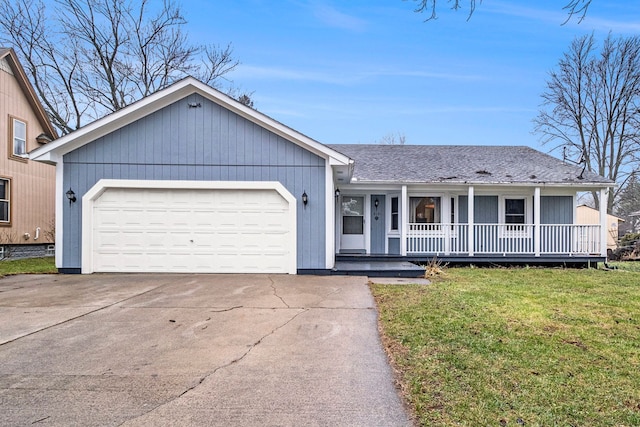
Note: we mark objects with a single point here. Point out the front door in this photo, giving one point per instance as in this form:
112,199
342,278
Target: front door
352,216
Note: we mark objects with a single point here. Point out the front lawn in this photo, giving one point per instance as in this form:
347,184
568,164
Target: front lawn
28,266
511,347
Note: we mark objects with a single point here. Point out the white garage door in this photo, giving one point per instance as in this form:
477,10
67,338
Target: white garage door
192,230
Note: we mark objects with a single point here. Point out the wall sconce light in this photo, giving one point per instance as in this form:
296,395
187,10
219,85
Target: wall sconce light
337,193
71,196
376,203
305,198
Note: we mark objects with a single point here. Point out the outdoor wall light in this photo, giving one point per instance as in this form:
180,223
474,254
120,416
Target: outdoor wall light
337,193
305,198
71,196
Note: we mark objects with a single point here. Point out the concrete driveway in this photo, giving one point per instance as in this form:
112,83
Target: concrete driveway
181,350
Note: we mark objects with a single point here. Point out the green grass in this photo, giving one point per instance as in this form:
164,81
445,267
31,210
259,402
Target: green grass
28,266
539,347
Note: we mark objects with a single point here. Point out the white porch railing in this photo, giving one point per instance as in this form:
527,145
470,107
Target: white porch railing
503,239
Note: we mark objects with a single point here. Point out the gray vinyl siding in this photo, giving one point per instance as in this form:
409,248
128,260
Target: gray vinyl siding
556,210
394,246
209,143
378,226
485,209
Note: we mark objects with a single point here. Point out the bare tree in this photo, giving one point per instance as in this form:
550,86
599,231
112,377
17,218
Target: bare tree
628,206
88,58
573,7
590,107
393,138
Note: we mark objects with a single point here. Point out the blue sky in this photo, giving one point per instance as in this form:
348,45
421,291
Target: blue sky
355,71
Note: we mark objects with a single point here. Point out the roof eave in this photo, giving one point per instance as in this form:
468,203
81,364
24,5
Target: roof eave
23,81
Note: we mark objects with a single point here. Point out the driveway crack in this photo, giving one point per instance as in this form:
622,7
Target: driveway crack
221,367
104,307
275,292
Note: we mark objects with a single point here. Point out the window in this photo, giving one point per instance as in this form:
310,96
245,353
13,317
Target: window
5,208
352,215
514,212
18,138
394,214
424,210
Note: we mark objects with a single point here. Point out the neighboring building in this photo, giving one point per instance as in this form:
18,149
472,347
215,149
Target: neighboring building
588,215
190,180
27,204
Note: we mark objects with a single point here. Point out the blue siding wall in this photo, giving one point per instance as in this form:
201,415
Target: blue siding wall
556,210
378,224
485,209
200,144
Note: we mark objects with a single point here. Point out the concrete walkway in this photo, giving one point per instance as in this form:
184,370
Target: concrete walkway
187,350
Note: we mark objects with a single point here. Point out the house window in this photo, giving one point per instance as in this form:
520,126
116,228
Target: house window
5,207
395,214
18,138
425,210
514,211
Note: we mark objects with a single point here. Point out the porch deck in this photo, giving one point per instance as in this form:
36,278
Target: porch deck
373,266
379,265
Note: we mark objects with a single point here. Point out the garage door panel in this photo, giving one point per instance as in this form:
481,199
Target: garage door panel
172,230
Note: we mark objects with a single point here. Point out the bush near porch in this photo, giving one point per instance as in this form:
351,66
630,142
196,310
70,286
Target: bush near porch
510,347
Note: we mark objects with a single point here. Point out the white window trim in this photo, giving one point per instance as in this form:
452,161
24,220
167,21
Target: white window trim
12,141
528,216
390,231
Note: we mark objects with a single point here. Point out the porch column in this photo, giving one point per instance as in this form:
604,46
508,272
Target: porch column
470,219
404,214
536,221
331,203
604,201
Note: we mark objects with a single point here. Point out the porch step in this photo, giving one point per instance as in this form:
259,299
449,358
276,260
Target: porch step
375,268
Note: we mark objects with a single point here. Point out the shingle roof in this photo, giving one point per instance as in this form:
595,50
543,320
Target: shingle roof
461,164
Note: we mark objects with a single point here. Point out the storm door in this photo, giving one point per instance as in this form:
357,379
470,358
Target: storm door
352,237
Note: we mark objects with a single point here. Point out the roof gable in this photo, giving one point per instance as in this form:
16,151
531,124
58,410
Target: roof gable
51,153
376,163
9,55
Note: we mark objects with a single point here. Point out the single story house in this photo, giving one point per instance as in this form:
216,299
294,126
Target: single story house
189,180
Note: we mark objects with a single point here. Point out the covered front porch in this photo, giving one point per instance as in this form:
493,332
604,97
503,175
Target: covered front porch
525,225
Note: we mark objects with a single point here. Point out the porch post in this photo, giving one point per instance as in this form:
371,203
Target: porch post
536,221
404,214
331,203
470,220
604,201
